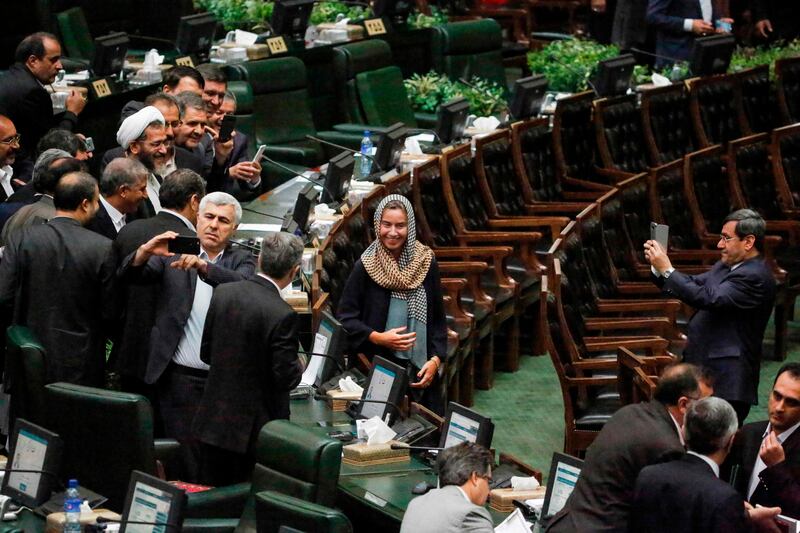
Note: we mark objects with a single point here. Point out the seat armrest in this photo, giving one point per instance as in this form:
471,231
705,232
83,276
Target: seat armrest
165,449
210,525
219,502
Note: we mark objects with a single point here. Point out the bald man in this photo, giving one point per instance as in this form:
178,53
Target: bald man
9,145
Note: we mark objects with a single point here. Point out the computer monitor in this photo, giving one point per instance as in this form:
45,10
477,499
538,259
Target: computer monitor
32,448
396,11
390,146
564,473
711,55
386,383
329,339
306,198
528,97
451,120
337,178
290,18
152,500
109,54
465,425
196,34
613,76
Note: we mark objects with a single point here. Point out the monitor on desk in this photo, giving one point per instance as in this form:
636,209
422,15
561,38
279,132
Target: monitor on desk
329,340
528,97
451,120
386,383
613,76
154,501
290,18
32,448
397,11
337,178
465,425
564,473
196,34
711,55
390,146
306,198
109,54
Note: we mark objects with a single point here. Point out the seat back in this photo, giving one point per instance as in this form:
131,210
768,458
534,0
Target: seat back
598,264
461,187
667,123
25,375
532,142
759,99
494,167
470,48
716,112
785,149
274,510
106,434
574,140
708,189
787,81
620,142
750,174
667,196
637,212
620,248
370,85
75,35
431,203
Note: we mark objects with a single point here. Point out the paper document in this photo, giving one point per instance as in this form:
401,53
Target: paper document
515,523
315,362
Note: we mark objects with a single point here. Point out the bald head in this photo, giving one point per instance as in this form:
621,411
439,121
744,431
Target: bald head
9,142
76,196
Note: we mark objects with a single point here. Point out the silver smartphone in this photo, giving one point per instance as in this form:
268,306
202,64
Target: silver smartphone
660,234
260,153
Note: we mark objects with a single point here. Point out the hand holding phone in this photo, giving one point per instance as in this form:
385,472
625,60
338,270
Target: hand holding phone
185,244
660,234
260,153
226,129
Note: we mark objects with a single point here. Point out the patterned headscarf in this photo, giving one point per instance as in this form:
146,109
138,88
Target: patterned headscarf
405,276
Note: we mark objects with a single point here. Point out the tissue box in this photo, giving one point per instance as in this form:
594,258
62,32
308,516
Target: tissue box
55,521
338,399
363,454
502,500
257,51
352,31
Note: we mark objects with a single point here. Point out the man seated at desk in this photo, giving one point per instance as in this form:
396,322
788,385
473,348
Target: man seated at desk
465,472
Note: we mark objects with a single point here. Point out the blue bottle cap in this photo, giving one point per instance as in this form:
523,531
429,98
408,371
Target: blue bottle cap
72,484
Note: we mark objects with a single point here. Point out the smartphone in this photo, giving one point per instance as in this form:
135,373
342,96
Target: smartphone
225,130
660,234
260,153
88,142
184,244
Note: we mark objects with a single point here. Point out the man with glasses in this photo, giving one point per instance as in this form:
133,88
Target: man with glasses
143,137
9,144
733,301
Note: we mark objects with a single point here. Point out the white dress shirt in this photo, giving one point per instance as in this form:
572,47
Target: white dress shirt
706,9
5,179
679,428
710,462
760,465
117,218
153,186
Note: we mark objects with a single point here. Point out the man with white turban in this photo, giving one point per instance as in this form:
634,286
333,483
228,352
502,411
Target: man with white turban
143,136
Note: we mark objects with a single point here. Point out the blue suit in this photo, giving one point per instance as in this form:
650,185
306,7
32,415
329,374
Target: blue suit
726,332
667,17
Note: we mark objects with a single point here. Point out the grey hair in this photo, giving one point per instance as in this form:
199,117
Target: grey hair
46,158
749,222
230,95
457,463
280,253
188,99
709,425
222,198
121,171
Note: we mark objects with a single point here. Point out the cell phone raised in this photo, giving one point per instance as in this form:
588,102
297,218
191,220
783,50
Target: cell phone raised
225,130
660,234
184,244
260,153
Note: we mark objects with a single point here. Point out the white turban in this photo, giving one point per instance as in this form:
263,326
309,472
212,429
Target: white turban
133,126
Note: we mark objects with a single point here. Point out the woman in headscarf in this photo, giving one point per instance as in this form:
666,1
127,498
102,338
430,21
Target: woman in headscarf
392,303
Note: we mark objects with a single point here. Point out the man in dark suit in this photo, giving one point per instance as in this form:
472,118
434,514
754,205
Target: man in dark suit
25,101
250,341
686,494
776,20
59,278
733,300
636,436
187,283
123,187
180,196
764,465
678,23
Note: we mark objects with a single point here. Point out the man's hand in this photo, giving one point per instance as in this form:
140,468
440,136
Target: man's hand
656,256
762,518
158,245
246,171
701,27
427,373
598,6
393,339
75,102
763,28
221,149
189,262
729,21
771,450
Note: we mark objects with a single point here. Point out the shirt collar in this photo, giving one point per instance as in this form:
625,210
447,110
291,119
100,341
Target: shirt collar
182,218
6,172
270,280
204,255
714,466
678,427
112,211
783,436
464,494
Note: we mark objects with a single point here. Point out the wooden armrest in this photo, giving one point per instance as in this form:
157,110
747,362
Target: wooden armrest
590,382
583,184
595,364
614,174
557,207
620,306
462,267
656,344
493,236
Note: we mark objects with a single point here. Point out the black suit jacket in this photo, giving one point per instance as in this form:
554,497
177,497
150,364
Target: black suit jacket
176,295
250,341
727,331
102,224
780,483
59,278
685,495
138,301
784,17
667,17
636,436
219,179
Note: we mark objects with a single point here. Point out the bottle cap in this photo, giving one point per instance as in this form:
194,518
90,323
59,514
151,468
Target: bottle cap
72,484
366,133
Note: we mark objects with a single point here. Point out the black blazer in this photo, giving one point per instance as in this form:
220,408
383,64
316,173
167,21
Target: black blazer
102,224
250,340
138,301
780,484
59,277
685,495
364,307
219,178
667,17
784,17
727,331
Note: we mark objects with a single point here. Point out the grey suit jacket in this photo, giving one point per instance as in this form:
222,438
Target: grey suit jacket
445,510
35,213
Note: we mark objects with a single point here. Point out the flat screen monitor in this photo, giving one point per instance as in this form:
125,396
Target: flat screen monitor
386,383
32,448
337,178
196,34
396,11
329,339
528,97
613,76
390,146
109,54
154,501
465,425
564,473
306,199
711,55
451,119
290,18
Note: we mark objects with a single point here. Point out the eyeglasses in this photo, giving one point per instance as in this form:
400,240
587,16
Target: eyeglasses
727,238
12,140
487,477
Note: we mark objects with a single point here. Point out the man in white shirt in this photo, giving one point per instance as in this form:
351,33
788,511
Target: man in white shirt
123,187
9,144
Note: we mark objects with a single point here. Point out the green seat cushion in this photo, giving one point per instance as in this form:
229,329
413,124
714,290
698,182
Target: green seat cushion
383,97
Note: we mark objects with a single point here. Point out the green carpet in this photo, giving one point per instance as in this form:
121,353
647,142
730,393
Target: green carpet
528,412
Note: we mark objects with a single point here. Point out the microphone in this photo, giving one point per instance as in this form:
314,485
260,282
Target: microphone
332,358
48,473
345,148
657,56
425,130
276,217
554,59
104,520
404,446
284,167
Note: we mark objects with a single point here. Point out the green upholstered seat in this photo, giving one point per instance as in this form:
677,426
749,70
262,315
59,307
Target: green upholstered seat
25,375
274,510
75,35
470,48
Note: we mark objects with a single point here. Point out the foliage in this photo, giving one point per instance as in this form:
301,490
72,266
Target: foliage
568,64
419,20
241,14
747,57
427,92
329,11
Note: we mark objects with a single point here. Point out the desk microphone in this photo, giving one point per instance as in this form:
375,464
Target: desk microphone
104,520
404,446
47,473
657,56
326,356
345,148
552,57
276,217
293,171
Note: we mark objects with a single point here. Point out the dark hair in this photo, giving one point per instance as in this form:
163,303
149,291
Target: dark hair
46,180
211,72
709,425
749,222
190,99
173,76
72,189
61,139
32,45
681,379
163,98
792,368
280,253
178,188
457,463
121,171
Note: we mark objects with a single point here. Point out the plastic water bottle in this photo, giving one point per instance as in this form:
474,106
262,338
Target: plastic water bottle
72,508
365,161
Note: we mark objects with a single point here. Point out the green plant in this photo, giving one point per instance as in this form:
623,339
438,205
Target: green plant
568,64
419,20
329,11
427,92
239,14
747,57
